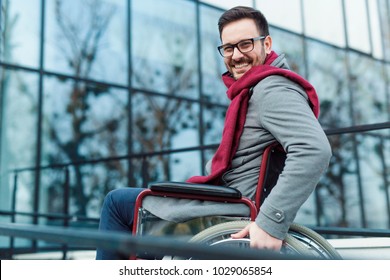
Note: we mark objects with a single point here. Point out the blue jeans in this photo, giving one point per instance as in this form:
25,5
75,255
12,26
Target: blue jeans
117,215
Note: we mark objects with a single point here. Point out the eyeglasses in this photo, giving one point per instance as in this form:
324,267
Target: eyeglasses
243,46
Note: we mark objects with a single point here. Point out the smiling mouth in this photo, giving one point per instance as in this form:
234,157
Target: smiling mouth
240,66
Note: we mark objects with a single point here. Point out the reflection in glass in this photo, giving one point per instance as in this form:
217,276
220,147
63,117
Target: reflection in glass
20,32
374,173
19,90
87,39
324,21
167,167
292,46
87,186
369,90
161,124
164,47
213,121
330,79
19,112
213,67
83,122
337,194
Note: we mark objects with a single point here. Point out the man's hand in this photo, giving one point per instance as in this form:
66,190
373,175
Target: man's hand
259,238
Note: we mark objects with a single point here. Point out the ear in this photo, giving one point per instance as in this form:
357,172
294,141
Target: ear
268,44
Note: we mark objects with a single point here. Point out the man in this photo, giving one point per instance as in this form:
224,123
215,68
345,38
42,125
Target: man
269,104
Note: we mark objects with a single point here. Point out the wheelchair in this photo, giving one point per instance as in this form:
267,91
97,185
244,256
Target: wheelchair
215,230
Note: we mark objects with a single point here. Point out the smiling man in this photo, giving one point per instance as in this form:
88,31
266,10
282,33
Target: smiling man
269,103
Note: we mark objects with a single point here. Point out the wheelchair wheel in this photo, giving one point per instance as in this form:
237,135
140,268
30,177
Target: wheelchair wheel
314,242
299,241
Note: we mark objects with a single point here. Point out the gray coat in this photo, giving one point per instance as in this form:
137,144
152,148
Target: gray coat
278,111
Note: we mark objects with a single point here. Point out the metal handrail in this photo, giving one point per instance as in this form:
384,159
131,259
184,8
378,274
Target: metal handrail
363,232
129,245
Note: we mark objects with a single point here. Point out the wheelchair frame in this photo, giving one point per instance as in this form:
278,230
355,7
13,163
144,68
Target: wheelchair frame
272,164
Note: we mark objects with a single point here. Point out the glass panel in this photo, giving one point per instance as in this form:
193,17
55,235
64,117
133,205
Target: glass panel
213,118
227,4
164,47
369,90
83,121
87,185
162,124
387,72
166,167
292,46
337,192
384,13
87,39
185,165
373,171
24,202
375,29
19,91
288,13
318,23
329,77
213,89
20,32
357,25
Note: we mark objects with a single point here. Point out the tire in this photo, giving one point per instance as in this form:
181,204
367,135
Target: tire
314,241
300,240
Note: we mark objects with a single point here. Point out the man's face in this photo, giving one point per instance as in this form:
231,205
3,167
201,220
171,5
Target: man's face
239,63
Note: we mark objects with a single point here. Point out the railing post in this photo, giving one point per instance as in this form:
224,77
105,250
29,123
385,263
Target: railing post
145,173
66,208
13,215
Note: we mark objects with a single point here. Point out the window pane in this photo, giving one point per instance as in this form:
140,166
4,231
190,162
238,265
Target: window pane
372,152
83,121
21,27
227,4
369,90
168,167
213,66
384,12
324,21
288,13
336,194
164,47
18,130
329,77
213,119
87,39
292,46
161,124
19,119
87,186
357,25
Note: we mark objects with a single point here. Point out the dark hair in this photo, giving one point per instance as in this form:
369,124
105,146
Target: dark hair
241,12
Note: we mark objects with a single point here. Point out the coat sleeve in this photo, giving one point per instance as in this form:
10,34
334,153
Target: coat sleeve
284,111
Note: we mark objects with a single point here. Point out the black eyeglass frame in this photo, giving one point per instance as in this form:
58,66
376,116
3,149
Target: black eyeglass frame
233,46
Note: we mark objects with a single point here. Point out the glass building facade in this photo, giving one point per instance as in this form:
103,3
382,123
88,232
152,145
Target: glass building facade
103,94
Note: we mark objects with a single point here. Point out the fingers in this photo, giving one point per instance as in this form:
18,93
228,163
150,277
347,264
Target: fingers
259,238
242,233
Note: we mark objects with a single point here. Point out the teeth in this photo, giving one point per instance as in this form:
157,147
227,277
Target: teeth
242,65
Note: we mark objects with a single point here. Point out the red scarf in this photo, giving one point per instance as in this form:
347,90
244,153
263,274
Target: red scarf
238,93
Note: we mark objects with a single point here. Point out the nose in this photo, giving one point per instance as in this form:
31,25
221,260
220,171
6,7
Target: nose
236,54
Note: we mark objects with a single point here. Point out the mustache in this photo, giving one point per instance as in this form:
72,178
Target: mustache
242,60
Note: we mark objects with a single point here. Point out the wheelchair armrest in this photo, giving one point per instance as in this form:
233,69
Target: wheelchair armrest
196,189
